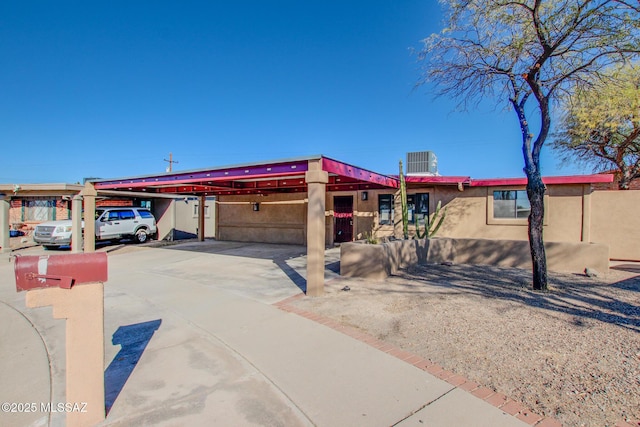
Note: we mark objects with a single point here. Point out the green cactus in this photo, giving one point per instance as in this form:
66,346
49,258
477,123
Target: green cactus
422,234
430,231
403,201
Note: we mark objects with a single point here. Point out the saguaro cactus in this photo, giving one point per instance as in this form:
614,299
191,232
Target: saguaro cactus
403,201
431,228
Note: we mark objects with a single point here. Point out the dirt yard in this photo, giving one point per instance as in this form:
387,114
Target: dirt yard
572,354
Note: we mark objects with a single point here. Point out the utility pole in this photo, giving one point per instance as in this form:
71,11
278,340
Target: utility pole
171,162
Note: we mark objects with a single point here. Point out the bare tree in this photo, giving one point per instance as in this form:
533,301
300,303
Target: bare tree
527,53
601,125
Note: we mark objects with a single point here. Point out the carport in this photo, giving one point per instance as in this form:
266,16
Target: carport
314,176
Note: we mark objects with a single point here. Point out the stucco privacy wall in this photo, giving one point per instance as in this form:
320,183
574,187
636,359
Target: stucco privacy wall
376,262
615,221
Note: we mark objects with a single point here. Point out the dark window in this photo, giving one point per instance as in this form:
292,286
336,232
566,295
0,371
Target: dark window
127,215
417,207
421,203
511,204
385,208
411,206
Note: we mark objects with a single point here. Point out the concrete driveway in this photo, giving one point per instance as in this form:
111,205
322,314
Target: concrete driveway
192,338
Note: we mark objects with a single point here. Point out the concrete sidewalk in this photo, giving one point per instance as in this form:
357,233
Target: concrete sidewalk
219,352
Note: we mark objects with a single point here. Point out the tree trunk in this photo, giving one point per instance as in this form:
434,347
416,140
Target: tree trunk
535,191
625,178
535,187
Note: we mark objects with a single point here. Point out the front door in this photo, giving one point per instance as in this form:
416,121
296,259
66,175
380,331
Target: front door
343,214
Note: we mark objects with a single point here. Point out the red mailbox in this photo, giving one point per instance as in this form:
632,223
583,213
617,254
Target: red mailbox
63,271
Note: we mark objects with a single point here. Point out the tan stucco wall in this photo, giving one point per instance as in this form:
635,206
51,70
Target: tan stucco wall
365,214
187,217
281,218
163,211
177,218
468,215
376,262
615,221
573,214
571,257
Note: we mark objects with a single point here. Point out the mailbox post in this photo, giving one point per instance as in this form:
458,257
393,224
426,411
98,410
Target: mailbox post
74,285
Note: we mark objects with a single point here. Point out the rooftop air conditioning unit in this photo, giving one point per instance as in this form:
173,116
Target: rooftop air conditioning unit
422,163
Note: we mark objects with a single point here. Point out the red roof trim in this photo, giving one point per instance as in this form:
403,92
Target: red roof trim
344,169
413,179
574,179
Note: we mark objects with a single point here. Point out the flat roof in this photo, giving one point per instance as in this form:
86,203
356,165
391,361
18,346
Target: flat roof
284,175
288,175
40,189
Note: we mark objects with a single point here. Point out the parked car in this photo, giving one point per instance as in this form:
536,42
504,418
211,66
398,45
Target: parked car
112,223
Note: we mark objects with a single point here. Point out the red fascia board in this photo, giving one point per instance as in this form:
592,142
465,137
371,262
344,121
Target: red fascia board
573,179
343,169
245,172
150,182
412,179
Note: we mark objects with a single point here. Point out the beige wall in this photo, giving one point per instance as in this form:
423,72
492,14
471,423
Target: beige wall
608,216
469,213
281,218
165,221
376,262
187,217
615,221
177,218
572,214
365,214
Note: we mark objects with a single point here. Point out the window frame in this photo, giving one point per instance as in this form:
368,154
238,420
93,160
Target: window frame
391,199
491,220
414,204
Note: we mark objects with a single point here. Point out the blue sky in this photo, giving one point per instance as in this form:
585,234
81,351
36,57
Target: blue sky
109,89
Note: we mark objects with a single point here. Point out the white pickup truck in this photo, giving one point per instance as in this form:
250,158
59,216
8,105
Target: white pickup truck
111,224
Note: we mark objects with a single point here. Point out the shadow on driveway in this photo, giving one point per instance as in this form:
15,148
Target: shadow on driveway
133,339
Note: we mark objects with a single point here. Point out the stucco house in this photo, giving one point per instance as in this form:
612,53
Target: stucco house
318,201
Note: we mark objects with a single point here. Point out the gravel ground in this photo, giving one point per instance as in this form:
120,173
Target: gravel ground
572,353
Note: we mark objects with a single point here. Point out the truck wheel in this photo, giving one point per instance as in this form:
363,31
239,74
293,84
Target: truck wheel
141,236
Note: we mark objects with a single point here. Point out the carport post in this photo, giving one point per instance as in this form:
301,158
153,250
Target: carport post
201,211
89,194
76,224
316,180
4,224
